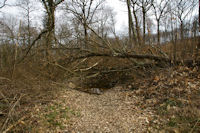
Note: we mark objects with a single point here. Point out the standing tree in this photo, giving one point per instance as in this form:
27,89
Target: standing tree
28,8
160,9
181,10
195,27
84,11
49,22
135,9
145,6
131,28
104,19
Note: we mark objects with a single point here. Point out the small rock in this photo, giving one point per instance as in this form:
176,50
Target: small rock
96,91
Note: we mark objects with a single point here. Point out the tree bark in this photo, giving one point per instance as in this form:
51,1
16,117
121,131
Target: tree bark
29,32
132,37
144,26
137,27
129,21
85,34
50,26
158,31
182,28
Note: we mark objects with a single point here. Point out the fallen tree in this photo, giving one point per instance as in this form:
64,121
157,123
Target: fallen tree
142,57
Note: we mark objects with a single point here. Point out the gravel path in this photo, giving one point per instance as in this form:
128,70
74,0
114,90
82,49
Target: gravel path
113,111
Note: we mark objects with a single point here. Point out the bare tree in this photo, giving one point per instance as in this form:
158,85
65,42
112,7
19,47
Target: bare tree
131,28
174,29
64,33
84,11
135,10
28,8
104,21
195,27
145,6
182,8
160,9
49,22
150,26
9,41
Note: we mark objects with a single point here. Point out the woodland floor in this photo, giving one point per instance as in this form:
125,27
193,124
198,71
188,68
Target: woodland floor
168,100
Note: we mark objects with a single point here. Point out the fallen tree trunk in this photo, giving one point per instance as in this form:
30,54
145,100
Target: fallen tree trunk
150,57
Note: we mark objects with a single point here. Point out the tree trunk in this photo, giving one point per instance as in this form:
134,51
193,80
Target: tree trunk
132,36
129,21
182,28
29,32
133,32
158,31
50,25
174,50
85,34
137,27
84,22
144,26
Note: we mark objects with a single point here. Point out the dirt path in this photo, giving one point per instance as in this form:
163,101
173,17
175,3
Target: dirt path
113,111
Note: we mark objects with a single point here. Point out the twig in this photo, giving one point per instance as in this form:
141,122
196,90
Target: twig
195,125
10,112
5,98
32,44
160,51
105,42
93,75
64,68
3,78
15,124
80,63
86,69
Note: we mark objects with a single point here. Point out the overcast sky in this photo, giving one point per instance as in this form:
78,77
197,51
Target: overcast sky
121,14
118,7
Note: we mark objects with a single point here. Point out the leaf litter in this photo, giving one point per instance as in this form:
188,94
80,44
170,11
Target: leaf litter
164,101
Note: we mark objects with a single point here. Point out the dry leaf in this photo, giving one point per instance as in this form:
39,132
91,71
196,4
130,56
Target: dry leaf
156,79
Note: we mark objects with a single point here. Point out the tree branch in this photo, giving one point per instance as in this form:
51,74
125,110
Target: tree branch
4,3
57,2
32,44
